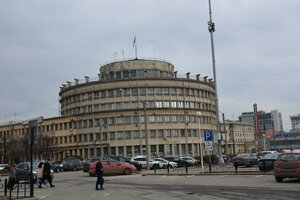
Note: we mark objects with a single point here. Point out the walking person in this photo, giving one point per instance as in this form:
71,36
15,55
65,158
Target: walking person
12,179
47,174
236,165
40,174
99,173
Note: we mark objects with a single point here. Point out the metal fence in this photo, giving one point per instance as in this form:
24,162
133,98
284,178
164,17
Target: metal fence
20,190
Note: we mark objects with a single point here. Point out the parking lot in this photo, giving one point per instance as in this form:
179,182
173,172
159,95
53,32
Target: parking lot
79,185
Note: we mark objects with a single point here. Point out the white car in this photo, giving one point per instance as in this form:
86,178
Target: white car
166,163
152,164
3,166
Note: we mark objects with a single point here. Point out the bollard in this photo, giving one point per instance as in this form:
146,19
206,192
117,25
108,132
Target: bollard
209,167
168,168
5,187
186,168
10,194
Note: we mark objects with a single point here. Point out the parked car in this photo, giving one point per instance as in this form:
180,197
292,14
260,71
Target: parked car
4,167
166,163
152,164
87,164
137,165
180,162
267,161
23,171
72,164
245,159
113,167
263,153
287,165
191,161
57,166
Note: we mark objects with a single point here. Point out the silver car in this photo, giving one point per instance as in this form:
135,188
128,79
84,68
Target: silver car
23,171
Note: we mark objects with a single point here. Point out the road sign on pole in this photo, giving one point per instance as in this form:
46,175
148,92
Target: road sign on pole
32,132
209,143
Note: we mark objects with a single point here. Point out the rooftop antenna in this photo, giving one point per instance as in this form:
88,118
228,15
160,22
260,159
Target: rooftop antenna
154,51
123,53
211,29
115,55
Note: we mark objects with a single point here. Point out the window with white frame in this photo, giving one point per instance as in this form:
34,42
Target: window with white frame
128,135
167,118
166,104
153,134
160,133
120,120
151,119
112,135
158,104
136,134
180,104
173,104
173,118
159,118
120,135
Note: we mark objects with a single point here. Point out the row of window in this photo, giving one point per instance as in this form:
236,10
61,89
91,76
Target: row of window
44,139
127,120
130,151
136,73
142,91
120,135
111,121
138,105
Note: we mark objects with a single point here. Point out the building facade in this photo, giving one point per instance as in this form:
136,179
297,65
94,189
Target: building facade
238,137
283,141
295,122
266,120
132,105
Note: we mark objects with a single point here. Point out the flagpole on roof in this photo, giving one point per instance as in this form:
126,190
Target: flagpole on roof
135,46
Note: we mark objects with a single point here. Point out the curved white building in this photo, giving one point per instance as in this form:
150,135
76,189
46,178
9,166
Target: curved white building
129,100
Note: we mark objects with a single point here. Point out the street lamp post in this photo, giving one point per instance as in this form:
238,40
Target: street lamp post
211,29
225,134
146,136
200,138
139,113
100,137
273,132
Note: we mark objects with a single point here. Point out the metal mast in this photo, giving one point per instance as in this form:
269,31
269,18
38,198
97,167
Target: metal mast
211,29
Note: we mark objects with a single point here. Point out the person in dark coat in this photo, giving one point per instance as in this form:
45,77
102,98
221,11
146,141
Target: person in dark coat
99,173
47,174
235,164
12,179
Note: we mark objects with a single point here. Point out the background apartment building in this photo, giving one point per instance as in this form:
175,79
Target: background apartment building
265,120
295,122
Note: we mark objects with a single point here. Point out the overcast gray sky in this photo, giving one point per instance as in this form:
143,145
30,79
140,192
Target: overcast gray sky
44,43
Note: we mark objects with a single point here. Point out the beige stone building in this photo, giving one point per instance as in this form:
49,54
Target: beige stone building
113,113
238,136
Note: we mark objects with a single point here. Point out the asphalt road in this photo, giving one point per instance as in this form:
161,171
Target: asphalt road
78,185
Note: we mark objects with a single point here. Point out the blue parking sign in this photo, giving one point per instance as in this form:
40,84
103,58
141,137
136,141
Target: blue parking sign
208,136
